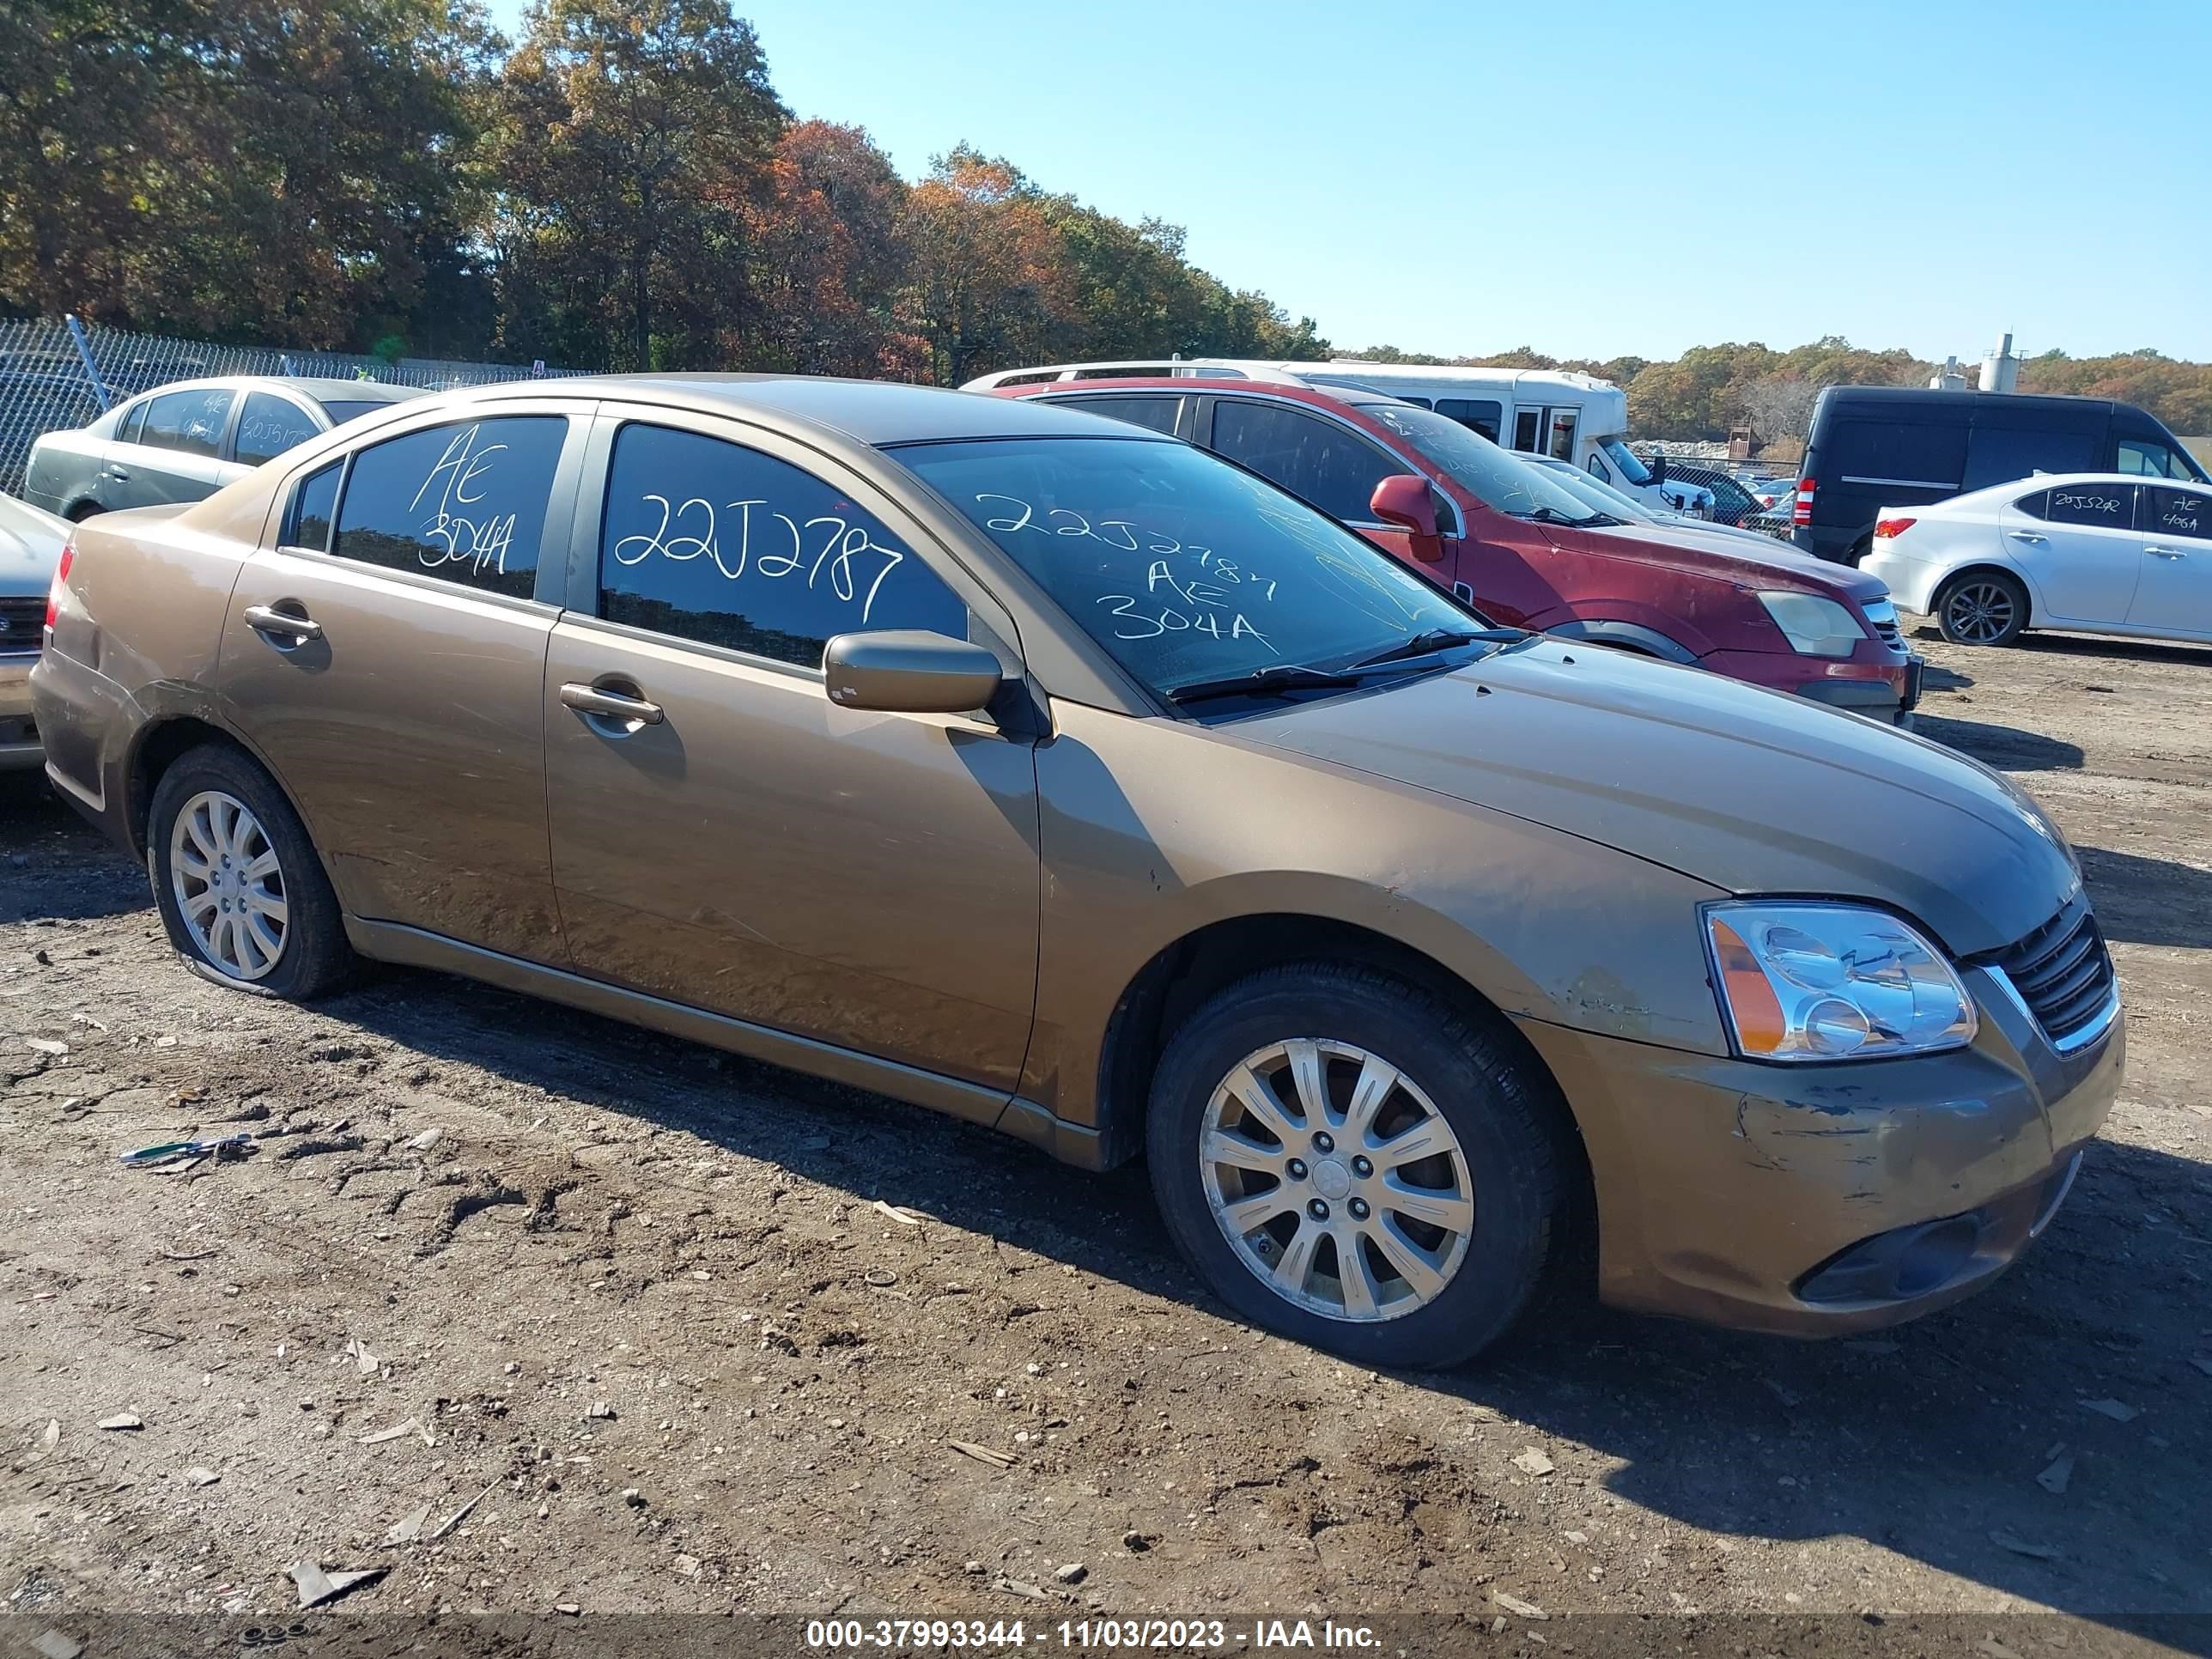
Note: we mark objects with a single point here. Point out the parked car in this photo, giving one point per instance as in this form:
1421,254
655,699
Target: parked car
1604,498
1055,775
1733,504
1911,446
1532,411
181,442
1518,547
2095,552
31,544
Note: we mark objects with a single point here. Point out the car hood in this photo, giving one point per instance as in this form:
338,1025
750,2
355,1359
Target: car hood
1750,790
1730,556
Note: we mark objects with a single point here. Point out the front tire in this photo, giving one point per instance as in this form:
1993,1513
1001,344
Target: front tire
1353,1162
1981,607
238,884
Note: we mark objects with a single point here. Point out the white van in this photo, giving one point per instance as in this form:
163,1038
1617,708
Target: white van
1568,417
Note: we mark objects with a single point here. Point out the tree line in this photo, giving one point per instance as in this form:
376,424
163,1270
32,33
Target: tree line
620,188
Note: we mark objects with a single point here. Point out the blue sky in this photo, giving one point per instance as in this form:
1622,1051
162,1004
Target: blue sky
1589,179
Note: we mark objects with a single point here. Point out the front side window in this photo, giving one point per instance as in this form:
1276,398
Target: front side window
189,421
2152,460
710,541
465,502
1498,480
1183,570
2184,513
1623,460
2093,505
269,426
1315,459
1158,413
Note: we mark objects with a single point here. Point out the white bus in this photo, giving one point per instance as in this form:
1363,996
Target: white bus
1577,418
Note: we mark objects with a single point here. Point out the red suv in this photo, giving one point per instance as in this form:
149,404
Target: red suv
1523,549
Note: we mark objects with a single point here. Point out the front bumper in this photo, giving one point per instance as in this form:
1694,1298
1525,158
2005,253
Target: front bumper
1798,1199
1878,680
19,733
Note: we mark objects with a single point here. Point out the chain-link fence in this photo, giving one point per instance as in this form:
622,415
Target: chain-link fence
61,373
1751,495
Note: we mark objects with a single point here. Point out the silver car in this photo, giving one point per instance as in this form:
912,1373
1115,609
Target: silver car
31,544
183,442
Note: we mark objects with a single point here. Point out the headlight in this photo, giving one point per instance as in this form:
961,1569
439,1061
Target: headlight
1832,981
1815,626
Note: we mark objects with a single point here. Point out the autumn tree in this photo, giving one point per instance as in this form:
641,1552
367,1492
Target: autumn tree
826,256
986,280
633,136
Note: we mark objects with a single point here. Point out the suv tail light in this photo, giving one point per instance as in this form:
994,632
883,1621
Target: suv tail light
1892,527
61,575
1802,513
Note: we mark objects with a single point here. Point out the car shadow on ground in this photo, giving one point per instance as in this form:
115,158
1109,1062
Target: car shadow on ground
2147,901
2089,645
1927,1440
2004,747
59,866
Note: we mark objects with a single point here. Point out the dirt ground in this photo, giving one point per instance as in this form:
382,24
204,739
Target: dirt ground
644,1307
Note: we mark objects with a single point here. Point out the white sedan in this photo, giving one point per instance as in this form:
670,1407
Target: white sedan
2094,552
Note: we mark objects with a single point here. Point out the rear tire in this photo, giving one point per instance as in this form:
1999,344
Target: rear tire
1377,1248
238,884
1981,607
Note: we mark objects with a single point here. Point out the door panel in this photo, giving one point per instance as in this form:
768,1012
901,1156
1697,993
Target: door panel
409,727
864,880
411,736
2083,553
2175,593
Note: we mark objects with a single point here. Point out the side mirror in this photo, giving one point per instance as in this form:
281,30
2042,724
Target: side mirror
1405,500
1657,466
908,671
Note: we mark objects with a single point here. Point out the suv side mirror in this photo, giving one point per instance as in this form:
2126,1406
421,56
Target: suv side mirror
1406,500
908,671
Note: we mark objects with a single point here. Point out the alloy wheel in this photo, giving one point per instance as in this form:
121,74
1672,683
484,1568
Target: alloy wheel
1979,612
229,885
1336,1180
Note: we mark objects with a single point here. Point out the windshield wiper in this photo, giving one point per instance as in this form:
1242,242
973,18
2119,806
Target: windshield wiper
1553,515
1440,638
1265,681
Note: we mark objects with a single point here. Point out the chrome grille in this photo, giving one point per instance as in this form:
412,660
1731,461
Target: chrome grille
2062,971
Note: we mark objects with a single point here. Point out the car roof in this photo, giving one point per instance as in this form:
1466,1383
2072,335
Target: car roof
2036,481
871,412
1295,391
321,390
1937,396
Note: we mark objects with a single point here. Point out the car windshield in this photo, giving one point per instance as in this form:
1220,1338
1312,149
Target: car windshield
1498,480
342,410
1625,457
1598,493
1185,570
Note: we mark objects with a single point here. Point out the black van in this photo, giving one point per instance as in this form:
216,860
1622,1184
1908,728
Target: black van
1873,446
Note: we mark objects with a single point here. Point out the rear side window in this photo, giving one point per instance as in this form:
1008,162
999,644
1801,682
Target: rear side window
2099,507
314,504
1998,454
2185,513
466,502
710,541
190,422
1886,452
1320,462
1156,413
269,426
1481,414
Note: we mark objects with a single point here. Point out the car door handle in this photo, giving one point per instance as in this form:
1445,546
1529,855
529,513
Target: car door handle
2026,535
119,475
590,700
267,619
2165,552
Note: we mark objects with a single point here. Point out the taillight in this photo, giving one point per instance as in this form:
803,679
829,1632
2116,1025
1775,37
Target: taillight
1802,513
1893,527
61,575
